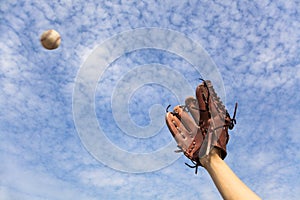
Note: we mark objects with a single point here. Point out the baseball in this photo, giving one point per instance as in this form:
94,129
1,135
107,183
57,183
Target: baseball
50,39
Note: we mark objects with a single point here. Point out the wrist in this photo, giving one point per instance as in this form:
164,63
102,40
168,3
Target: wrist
213,155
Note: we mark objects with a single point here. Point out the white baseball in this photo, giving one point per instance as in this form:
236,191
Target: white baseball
50,39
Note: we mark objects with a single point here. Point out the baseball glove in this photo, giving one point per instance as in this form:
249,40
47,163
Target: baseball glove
201,124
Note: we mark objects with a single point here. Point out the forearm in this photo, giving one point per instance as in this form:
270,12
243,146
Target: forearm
228,184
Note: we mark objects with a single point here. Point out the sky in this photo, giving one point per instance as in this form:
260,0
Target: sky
86,120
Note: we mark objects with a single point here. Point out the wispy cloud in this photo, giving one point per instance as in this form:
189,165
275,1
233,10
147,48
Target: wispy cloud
255,46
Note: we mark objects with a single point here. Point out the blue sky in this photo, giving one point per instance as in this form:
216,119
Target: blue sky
61,139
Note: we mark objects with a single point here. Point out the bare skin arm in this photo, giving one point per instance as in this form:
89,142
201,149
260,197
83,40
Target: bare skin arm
228,184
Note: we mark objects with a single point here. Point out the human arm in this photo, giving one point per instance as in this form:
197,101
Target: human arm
226,181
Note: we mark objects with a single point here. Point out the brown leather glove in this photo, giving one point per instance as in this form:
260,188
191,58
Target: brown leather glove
201,124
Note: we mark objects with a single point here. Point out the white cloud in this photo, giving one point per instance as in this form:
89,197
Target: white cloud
29,182
102,178
255,45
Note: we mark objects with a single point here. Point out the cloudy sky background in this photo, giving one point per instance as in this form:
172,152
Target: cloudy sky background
255,46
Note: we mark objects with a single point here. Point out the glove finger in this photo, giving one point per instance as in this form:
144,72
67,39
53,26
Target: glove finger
178,131
216,107
203,98
193,107
206,93
188,122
